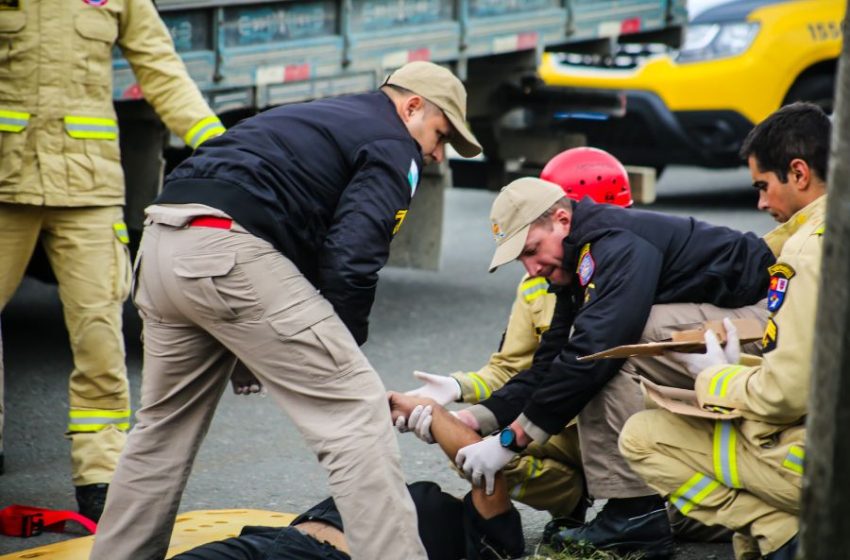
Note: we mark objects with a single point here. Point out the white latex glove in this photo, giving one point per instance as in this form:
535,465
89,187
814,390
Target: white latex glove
714,355
483,460
441,388
418,423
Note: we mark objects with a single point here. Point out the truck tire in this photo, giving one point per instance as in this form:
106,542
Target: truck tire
818,89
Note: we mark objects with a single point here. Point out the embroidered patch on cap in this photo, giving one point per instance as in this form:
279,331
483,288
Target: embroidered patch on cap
586,265
413,177
497,232
771,335
780,276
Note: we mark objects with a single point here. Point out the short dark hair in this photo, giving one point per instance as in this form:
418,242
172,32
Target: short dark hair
799,130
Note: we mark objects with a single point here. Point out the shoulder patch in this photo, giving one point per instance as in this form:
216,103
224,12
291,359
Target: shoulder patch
413,177
399,219
586,265
771,335
780,276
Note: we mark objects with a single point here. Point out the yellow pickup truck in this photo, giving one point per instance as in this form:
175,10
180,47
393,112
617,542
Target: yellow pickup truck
740,61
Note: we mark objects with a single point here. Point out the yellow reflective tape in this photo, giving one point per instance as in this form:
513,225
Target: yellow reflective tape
693,492
820,230
534,470
533,288
203,131
120,229
97,420
482,390
81,413
794,460
720,380
123,426
726,454
96,128
13,121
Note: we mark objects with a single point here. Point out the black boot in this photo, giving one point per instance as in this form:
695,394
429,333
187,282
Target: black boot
785,552
90,500
625,525
571,521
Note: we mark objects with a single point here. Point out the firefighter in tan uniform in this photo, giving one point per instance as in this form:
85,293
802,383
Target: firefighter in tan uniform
61,182
548,476
745,472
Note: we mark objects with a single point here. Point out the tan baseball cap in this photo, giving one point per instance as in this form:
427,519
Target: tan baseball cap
442,88
517,205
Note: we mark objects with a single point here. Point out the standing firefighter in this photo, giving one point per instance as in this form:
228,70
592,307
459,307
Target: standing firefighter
61,183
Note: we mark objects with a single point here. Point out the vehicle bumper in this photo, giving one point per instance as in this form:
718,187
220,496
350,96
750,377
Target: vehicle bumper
651,134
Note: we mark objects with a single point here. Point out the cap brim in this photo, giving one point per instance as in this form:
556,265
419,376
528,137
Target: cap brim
510,249
463,141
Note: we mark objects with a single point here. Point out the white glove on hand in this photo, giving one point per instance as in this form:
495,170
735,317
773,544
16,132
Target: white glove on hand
441,388
714,355
418,423
483,460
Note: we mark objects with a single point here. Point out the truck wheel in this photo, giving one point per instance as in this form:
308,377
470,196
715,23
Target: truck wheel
818,89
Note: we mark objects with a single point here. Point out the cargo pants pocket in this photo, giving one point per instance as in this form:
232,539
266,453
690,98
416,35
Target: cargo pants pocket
316,342
217,287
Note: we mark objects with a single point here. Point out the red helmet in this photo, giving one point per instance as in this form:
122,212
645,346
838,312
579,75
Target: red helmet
590,172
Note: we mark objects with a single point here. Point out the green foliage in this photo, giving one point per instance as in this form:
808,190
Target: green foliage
581,551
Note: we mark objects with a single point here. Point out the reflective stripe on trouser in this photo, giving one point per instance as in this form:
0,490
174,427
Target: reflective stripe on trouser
260,309
607,473
92,268
675,455
13,121
548,477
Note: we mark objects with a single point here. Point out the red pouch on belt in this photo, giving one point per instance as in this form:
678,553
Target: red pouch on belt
26,521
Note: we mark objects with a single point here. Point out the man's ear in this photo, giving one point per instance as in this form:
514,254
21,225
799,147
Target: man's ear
562,217
799,174
410,106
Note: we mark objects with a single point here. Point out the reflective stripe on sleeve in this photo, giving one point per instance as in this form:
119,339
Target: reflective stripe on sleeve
794,460
725,454
693,492
203,131
120,229
534,470
13,121
97,420
533,288
96,128
482,390
720,380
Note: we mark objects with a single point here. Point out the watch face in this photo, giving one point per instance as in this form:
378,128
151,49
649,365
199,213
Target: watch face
507,437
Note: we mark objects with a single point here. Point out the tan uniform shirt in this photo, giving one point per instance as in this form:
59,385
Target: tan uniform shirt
531,316
58,129
773,394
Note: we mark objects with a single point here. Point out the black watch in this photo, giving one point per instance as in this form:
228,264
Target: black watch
507,437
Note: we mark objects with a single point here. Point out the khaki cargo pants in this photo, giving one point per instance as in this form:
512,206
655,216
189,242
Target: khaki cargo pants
209,297
714,475
90,261
607,473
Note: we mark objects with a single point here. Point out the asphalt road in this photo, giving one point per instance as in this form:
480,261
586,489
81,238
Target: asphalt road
253,457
